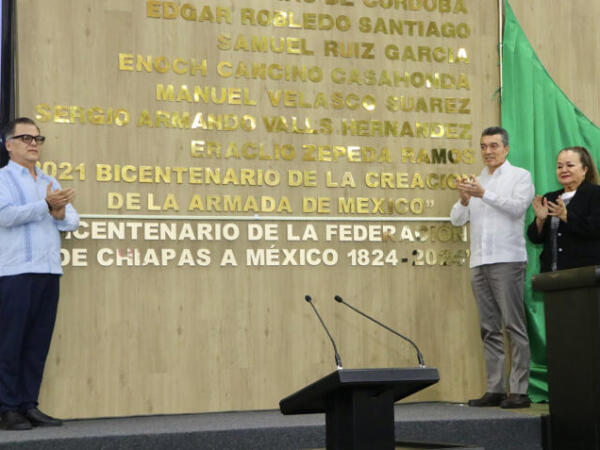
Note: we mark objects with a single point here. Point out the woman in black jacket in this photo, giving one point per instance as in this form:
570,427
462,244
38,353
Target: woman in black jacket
567,221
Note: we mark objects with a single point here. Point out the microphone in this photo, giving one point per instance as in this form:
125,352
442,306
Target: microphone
338,358
419,354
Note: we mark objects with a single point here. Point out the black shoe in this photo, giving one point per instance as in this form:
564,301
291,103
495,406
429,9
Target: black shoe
13,420
516,401
488,399
39,419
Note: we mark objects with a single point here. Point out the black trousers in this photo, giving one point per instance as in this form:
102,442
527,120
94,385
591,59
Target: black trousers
28,304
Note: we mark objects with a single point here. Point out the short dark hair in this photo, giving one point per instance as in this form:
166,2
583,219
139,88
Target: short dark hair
591,176
491,131
9,130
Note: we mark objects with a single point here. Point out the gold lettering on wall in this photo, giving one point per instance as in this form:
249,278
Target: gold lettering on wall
156,9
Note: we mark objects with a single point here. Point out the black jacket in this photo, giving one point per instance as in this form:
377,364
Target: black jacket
578,240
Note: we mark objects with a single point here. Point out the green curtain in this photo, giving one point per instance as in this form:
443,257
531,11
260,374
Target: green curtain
541,120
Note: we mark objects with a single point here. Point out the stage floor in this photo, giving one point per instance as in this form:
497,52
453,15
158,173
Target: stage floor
489,428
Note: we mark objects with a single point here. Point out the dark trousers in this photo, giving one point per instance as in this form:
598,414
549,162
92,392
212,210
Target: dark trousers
28,304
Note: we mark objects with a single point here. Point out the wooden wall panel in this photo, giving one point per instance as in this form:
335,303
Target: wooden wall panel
190,338
563,35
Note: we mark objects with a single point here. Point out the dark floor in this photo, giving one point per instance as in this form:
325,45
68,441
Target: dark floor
489,428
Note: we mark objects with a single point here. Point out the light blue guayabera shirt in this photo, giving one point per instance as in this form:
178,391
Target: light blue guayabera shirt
29,235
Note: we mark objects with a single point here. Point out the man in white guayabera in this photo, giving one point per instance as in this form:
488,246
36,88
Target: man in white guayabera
495,205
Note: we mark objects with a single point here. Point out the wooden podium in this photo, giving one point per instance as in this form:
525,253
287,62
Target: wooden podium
359,404
572,301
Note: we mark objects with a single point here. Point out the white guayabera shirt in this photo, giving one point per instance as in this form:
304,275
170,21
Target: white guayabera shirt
498,218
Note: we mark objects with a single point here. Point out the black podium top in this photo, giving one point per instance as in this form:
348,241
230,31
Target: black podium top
403,382
567,279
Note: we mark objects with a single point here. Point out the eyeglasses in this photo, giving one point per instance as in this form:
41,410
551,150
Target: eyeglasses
28,138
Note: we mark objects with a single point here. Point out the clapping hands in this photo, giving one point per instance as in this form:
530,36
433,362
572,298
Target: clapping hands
469,187
544,208
57,200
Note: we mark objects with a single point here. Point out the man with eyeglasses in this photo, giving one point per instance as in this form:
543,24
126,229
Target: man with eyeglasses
495,205
33,210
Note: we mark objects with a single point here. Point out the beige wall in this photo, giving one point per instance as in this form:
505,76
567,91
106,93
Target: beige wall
184,334
563,34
